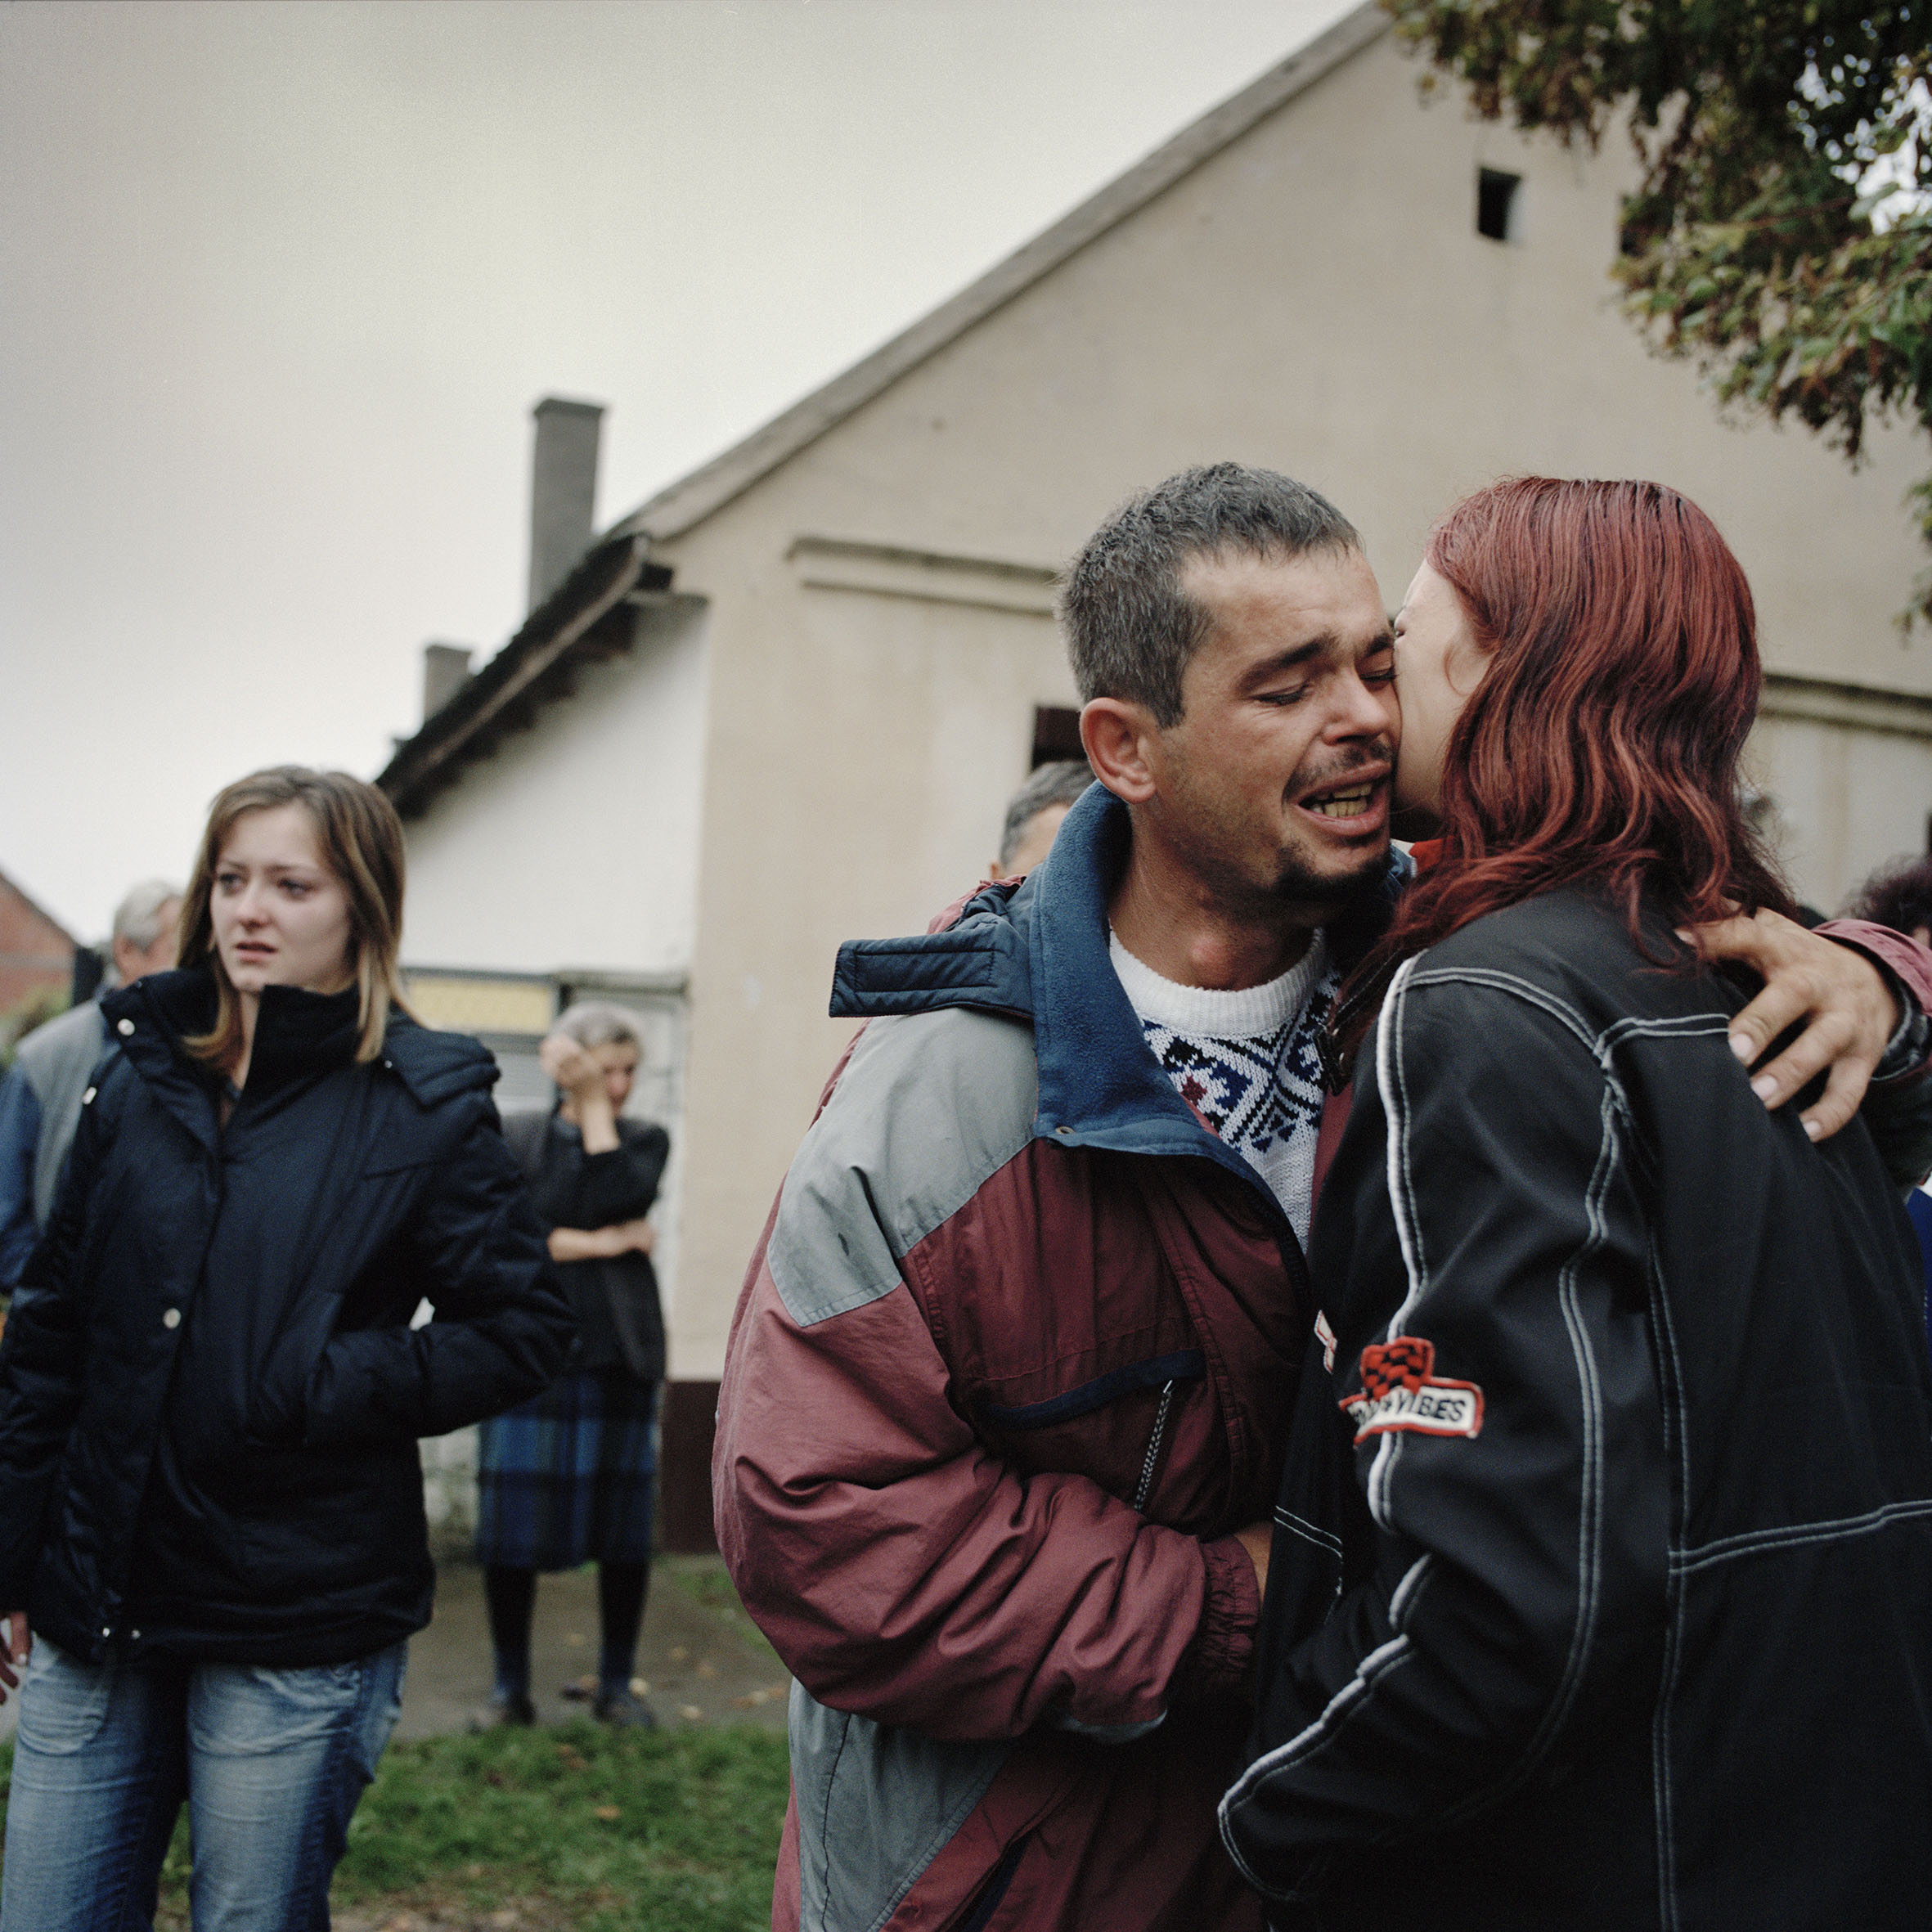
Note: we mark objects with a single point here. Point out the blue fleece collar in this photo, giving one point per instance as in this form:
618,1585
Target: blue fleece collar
1039,952
1100,1084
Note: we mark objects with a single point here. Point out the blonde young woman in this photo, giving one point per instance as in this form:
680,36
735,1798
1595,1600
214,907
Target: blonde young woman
211,1512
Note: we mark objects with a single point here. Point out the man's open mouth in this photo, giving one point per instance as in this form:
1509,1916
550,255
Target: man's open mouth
1343,801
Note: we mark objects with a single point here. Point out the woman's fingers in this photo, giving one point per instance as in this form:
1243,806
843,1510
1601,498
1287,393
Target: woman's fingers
625,1236
569,1064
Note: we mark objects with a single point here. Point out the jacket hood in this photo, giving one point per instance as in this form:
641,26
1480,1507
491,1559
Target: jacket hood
1039,951
435,1066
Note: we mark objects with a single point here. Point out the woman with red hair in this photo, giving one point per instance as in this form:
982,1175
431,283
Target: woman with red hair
1601,1593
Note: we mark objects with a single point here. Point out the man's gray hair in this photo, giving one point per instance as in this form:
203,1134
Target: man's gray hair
137,920
1060,782
596,1023
1130,627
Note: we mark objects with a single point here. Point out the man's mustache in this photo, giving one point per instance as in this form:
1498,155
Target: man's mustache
1378,758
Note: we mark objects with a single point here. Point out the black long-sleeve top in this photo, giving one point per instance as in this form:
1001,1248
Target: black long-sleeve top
620,1320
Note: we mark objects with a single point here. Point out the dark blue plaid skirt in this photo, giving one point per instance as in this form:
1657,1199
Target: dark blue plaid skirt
569,1478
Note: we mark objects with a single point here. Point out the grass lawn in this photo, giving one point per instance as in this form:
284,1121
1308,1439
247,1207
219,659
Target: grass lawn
705,1580
586,1828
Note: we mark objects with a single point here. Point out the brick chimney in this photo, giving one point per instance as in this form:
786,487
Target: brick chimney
445,670
562,490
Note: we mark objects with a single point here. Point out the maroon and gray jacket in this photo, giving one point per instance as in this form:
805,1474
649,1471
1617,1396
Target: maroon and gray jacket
1013,1362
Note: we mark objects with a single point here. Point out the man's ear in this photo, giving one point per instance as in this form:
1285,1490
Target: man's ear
1117,735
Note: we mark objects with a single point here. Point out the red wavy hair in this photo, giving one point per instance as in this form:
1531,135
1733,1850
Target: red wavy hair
1602,744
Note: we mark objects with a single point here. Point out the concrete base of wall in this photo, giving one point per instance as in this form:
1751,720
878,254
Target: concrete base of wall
687,1422
449,1492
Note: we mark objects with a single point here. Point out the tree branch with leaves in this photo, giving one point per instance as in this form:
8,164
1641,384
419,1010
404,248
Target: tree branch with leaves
1780,235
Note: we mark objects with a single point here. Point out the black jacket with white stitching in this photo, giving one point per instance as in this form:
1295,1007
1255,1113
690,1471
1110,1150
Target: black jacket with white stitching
1601,1592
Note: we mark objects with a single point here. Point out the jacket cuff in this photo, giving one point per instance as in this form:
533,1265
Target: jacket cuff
1216,1665
1907,969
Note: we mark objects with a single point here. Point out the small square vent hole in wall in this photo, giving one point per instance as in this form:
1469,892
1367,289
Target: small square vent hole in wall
1495,202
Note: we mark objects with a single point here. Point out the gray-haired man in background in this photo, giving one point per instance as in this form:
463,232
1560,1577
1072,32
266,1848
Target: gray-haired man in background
1034,813
40,1097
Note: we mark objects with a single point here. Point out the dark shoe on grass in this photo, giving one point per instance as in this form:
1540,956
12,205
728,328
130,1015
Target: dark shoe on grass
626,1712
516,1709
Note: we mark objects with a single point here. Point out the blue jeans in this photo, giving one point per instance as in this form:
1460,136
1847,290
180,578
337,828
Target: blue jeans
272,1763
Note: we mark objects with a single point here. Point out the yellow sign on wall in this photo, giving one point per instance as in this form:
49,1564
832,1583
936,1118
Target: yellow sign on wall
466,1003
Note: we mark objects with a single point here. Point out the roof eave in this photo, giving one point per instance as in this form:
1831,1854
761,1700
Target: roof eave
487,702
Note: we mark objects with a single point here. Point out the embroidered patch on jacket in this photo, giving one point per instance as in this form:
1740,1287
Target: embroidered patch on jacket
1401,1390
1326,1336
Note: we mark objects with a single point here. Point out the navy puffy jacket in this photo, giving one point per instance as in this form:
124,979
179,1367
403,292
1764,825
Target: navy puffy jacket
210,1398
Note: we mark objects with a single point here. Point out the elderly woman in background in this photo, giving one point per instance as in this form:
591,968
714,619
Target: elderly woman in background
568,1478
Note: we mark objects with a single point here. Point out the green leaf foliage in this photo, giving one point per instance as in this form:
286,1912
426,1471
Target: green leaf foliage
1757,242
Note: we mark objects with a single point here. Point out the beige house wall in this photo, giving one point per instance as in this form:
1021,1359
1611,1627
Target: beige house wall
1848,775
1314,297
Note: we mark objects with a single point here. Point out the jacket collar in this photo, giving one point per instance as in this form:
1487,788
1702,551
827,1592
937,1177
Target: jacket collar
296,1033
1039,951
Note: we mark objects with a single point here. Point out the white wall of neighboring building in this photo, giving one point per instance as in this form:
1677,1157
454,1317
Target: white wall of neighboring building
575,843
1845,799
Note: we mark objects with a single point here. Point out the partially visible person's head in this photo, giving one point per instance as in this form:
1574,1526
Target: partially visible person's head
146,930
1897,895
1233,653
298,883
610,1036
1034,813
1578,666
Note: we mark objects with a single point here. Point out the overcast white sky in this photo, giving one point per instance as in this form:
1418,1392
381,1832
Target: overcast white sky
279,284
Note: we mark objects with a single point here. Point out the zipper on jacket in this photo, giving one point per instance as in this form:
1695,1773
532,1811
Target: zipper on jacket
1153,1450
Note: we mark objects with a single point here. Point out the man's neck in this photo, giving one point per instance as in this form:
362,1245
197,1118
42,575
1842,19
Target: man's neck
1174,923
